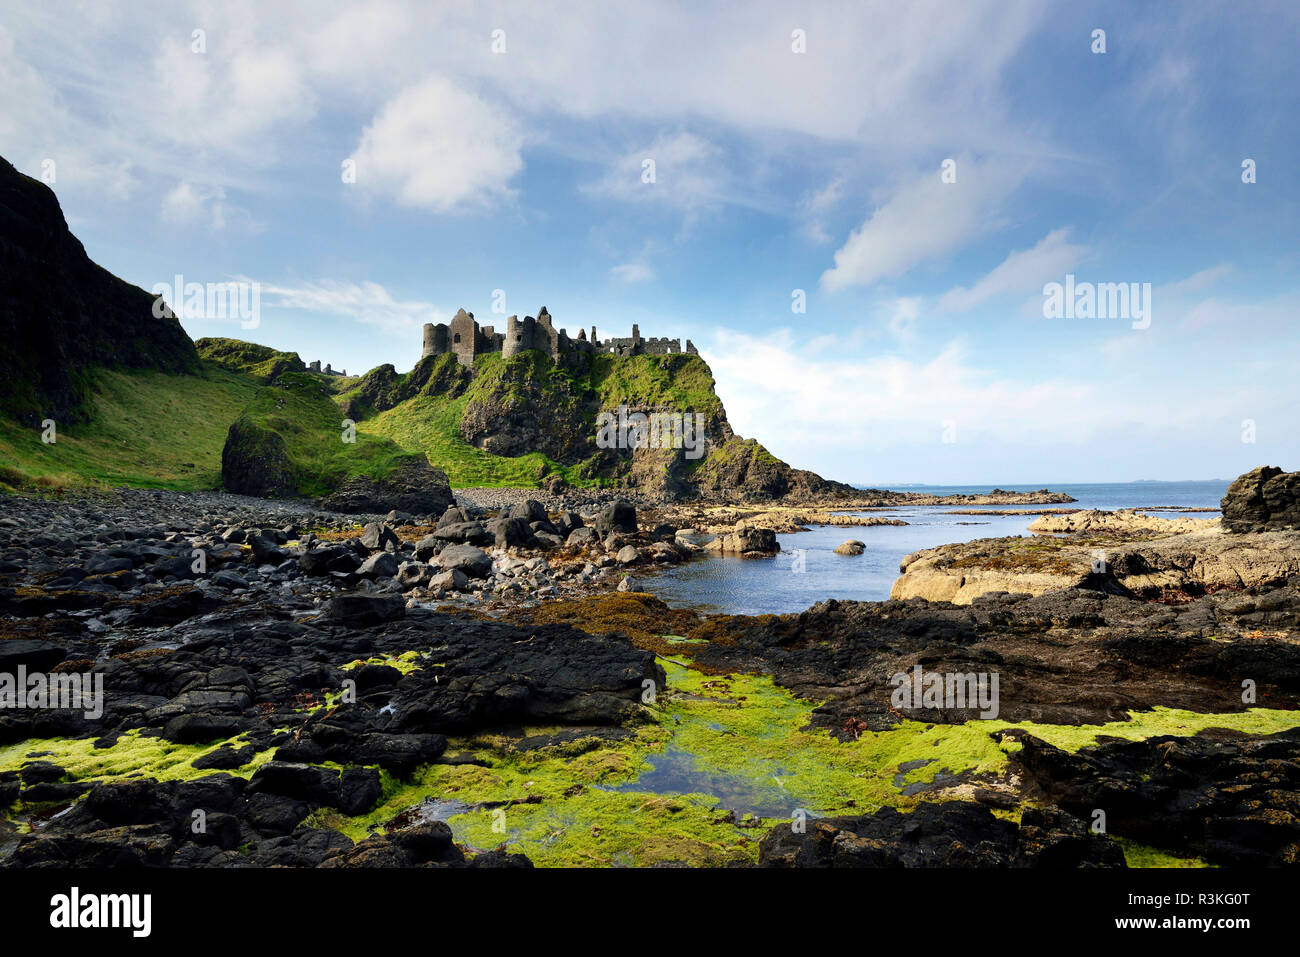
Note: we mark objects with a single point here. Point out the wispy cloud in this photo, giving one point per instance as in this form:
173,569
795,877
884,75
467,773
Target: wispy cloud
923,219
1023,271
632,272
677,169
368,303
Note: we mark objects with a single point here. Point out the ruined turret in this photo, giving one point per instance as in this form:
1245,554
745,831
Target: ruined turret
464,337
436,339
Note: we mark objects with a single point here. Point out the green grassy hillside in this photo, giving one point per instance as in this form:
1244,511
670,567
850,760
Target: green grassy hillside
512,422
146,429
300,408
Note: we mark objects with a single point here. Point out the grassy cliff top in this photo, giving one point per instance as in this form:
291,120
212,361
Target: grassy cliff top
160,430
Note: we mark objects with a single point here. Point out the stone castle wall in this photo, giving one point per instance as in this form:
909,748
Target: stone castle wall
466,339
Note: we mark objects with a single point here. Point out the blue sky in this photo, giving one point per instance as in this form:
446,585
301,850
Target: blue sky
923,354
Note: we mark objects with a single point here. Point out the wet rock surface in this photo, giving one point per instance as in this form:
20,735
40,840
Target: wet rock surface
1109,552
210,616
948,834
1068,657
1230,799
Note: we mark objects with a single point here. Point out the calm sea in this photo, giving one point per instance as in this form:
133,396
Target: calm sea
758,586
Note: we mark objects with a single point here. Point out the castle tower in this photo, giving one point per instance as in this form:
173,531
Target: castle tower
520,335
544,335
436,337
464,337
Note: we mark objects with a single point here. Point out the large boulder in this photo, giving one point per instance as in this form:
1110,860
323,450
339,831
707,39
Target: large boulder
583,535
413,486
475,533
455,515
619,516
255,461
328,558
474,562
747,542
352,791
513,531
1264,499
360,609
379,565
530,510
377,536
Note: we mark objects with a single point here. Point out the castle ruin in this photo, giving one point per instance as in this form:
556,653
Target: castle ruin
464,337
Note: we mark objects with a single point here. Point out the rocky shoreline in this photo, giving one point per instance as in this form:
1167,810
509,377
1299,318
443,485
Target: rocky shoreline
293,673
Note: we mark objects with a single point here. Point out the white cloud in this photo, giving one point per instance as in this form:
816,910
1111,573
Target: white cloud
128,90
851,416
226,99
923,219
1023,271
1197,282
684,173
815,207
901,314
632,272
852,401
438,147
190,204
365,302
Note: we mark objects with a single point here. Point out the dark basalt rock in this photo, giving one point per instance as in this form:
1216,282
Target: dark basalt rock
377,536
512,532
470,533
619,516
61,314
1074,656
1264,499
361,609
951,834
471,560
255,461
352,791
1226,797
34,655
413,486
328,558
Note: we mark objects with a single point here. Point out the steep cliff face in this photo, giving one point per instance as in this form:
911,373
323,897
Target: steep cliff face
526,408
61,314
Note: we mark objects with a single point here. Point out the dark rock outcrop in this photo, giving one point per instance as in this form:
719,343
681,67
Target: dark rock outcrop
61,315
1264,499
1226,797
414,486
952,834
255,461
